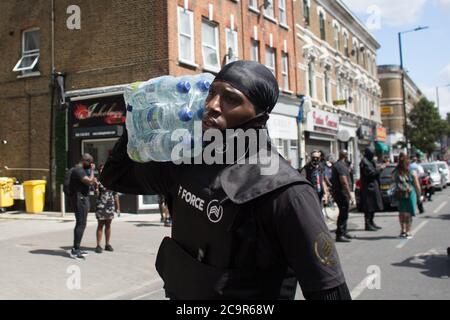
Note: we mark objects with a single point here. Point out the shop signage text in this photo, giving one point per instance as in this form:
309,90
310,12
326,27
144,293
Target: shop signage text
322,119
381,134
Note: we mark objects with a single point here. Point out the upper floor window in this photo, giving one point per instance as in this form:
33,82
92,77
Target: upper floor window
327,87
29,62
306,10
210,45
232,45
346,43
311,80
282,7
270,60
337,43
186,52
253,4
255,50
322,26
269,10
285,70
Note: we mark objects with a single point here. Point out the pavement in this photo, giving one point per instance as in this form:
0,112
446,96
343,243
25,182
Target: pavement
378,265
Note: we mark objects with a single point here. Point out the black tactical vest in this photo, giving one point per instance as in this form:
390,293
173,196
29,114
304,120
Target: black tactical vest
211,254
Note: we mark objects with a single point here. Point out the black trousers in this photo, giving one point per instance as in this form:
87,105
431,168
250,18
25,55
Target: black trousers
80,204
344,207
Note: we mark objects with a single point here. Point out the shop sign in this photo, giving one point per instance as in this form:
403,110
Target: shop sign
386,111
365,132
97,132
318,119
282,127
381,134
343,135
339,102
98,112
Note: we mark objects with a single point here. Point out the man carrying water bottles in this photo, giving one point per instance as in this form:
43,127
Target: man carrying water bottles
238,231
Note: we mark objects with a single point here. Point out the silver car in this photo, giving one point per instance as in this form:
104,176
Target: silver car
436,177
443,168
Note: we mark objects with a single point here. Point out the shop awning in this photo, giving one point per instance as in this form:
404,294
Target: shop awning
381,147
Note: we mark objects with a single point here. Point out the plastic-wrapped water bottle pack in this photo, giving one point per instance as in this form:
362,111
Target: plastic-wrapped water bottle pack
158,107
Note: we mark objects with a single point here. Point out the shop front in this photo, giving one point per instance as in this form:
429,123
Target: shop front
321,132
95,123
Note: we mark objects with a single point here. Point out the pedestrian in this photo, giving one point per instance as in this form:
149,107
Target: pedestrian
370,193
313,171
79,186
417,168
342,195
406,190
107,205
164,211
238,232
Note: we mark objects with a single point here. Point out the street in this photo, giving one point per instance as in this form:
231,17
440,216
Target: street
377,265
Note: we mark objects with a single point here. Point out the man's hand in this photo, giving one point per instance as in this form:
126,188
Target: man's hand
92,166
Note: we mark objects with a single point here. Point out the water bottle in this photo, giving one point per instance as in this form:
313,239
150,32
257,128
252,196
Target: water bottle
166,89
161,116
200,93
158,145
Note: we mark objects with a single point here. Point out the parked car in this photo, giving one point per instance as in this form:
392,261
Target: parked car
386,187
437,178
445,171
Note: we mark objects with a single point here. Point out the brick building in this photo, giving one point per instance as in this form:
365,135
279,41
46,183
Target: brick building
118,43
336,58
392,113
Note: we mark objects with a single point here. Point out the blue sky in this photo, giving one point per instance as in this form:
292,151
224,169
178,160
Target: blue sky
426,53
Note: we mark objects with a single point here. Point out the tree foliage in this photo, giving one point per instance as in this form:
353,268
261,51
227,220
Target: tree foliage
426,126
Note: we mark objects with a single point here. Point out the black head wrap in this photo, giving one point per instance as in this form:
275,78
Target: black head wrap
254,80
369,153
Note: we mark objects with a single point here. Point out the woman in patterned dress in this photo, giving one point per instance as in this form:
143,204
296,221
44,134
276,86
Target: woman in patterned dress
107,206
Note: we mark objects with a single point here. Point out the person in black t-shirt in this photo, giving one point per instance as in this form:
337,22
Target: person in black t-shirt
79,186
340,181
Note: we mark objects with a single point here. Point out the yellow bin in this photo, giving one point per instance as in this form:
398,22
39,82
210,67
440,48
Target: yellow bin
34,195
6,195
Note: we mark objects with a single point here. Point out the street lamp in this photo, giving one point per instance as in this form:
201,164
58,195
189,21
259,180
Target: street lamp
403,81
437,95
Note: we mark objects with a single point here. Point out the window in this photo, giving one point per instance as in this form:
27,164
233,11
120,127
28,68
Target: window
253,4
322,26
29,62
311,80
326,86
337,44
255,50
270,60
186,51
285,70
269,11
282,7
232,45
210,46
346,51
306,12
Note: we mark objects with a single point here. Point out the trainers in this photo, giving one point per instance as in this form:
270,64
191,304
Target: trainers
402,235
408,236
109,248
84,253
342,239
76,254
98,249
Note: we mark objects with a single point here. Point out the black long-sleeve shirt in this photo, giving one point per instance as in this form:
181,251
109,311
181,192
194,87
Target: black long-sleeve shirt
290,229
